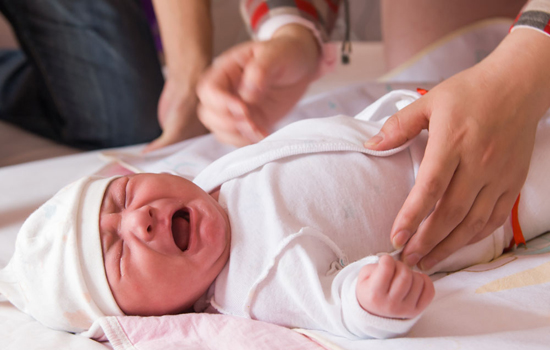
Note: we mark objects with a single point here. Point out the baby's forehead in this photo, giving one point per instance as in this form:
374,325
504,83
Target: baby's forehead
147,187
116,190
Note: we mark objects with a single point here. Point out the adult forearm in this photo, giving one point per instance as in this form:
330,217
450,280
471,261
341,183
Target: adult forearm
410,26
520,62
186,32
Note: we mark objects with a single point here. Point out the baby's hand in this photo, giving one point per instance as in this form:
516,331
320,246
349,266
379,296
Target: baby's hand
391,289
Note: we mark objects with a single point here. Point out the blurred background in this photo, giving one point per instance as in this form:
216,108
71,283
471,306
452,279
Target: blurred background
18,146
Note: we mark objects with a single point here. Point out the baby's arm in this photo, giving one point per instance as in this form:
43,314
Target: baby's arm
391,289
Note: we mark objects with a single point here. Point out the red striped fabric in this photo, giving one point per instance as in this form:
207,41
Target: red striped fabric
333,7
307,8
260,11
421,91
516,228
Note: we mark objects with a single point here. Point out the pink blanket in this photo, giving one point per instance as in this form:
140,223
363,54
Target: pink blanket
200,331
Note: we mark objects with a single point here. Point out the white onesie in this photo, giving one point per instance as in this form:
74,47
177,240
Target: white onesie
308,207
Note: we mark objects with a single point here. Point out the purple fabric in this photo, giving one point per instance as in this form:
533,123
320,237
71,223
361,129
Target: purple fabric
153,23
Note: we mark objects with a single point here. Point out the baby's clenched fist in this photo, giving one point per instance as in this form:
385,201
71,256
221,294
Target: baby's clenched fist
391,289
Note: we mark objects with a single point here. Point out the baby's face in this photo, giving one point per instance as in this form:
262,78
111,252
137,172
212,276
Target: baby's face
164,241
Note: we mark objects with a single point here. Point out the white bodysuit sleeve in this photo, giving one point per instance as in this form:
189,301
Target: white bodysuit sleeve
357,321
308,285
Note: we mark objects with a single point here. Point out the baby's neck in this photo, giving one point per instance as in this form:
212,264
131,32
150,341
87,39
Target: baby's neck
204,301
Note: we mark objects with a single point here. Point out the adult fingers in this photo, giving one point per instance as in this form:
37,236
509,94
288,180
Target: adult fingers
500,214
431,244
219,91
218,88
401,127
449,212
215,92
266,67
223,126
473,223
171,136
221,111
434,175
177,114
255,79
158,143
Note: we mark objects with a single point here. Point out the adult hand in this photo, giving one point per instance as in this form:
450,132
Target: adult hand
186,31
252,86
177,114
482,125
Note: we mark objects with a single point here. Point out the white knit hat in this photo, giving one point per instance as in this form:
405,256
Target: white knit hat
56,274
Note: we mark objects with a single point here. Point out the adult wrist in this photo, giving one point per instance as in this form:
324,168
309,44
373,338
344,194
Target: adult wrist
520,64
187,69
301,33
324,54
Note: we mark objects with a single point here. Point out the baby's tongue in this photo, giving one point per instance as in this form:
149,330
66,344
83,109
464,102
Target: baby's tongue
180,231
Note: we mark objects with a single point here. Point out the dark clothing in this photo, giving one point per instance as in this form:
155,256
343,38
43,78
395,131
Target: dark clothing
88,74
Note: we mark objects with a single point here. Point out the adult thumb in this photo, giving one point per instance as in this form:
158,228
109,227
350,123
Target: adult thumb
260,72
400,127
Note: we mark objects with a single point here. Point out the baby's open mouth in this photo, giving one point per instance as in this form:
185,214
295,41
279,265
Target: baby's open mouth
181,228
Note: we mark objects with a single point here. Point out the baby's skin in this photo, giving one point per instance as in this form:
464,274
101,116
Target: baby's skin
391,289
165,241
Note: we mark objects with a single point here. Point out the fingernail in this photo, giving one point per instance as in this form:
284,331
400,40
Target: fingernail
401,239
375,140
427,263
412,259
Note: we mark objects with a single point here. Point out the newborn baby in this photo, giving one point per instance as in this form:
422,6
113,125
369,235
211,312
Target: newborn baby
165,241
285,231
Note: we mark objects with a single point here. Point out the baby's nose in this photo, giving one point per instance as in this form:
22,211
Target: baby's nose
140,223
